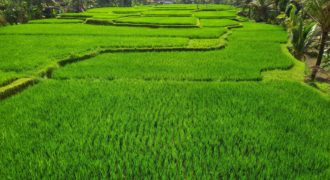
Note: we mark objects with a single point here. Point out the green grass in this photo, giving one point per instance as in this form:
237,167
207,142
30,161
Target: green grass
132,129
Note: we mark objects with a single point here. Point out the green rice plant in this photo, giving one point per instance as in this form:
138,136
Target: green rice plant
104,10
75,16
251,26
169,13
158,20
84,29
133,129
218,22
259,32
215,7
102,112
110,10
206,43
259,43
26,54
175,7
279,36
7,77
108,16
86,15
229,64
55,21
216,14
296,73
128,11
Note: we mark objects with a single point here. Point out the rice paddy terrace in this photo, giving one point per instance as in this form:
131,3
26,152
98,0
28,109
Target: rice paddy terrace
157,92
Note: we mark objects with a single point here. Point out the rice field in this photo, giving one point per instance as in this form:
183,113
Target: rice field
87,29
169,13
230,14
158,20
218,22
25,54
211,65
116,101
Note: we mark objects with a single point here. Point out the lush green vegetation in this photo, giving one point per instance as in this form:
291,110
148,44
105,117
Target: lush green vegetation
216,14
218,22
7,76
84,29
122,102
126,129
212,65
169,13
56,21
159,20
24,53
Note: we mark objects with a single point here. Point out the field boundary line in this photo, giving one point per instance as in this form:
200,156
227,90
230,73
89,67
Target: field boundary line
106,22
16,86
164,79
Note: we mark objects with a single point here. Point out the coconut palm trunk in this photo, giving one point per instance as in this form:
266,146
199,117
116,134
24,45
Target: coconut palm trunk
324,38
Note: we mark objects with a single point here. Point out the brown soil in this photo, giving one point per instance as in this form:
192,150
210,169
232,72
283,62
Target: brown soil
323,75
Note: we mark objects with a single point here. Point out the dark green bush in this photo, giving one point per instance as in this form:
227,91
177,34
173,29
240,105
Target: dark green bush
2,20
16,14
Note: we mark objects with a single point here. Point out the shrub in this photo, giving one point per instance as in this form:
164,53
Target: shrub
2,20
15,14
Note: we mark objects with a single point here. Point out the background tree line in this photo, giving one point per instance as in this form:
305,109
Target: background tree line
20,11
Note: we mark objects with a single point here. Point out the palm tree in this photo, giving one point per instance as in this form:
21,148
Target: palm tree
301,33
261,8
319,11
